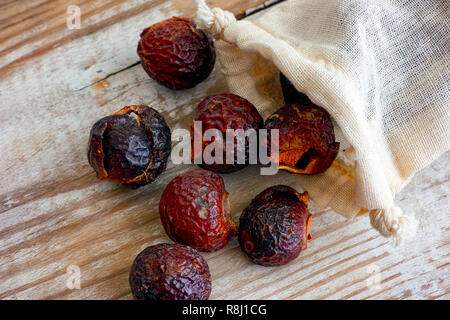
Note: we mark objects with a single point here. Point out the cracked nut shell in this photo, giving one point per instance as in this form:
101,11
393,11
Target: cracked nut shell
222,112
275,227
306,138
177,54
170,272
131,146
194,210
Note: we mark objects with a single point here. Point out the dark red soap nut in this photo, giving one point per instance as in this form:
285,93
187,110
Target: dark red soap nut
222,112
177,54
275,227
195,211
170,272
291,94
306,138
131,146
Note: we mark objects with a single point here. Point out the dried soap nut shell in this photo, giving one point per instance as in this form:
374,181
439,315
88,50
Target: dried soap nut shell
275,227
195,211
177,54
306,138
222,112
131,146
170,272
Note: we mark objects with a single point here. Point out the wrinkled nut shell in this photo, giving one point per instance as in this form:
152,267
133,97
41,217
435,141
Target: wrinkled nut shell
275,227
222,112
194,210
177,54
170,272
306,138
131,146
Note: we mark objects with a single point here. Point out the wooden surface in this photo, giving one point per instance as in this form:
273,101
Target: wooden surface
55,83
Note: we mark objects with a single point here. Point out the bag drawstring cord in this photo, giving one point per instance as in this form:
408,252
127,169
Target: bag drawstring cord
216,20
393,223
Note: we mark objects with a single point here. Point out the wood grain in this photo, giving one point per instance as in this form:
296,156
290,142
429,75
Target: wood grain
55,83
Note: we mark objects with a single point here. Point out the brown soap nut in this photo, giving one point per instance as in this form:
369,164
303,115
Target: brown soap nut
223,112
177,54
275,227
195,211
131,146
306,138
170,272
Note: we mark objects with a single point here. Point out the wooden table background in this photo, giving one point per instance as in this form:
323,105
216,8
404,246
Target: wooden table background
56,82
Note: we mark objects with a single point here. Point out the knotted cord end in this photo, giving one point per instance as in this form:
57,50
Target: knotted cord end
393,223
215,20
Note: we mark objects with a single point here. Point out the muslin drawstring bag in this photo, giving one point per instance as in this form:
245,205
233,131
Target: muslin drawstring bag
380,68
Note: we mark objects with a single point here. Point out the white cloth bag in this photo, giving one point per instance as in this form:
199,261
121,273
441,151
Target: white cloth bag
380,68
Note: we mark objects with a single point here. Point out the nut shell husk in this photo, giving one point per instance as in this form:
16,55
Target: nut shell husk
195,211
177,54
306,138
170,272
275,227
225,111
131,146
